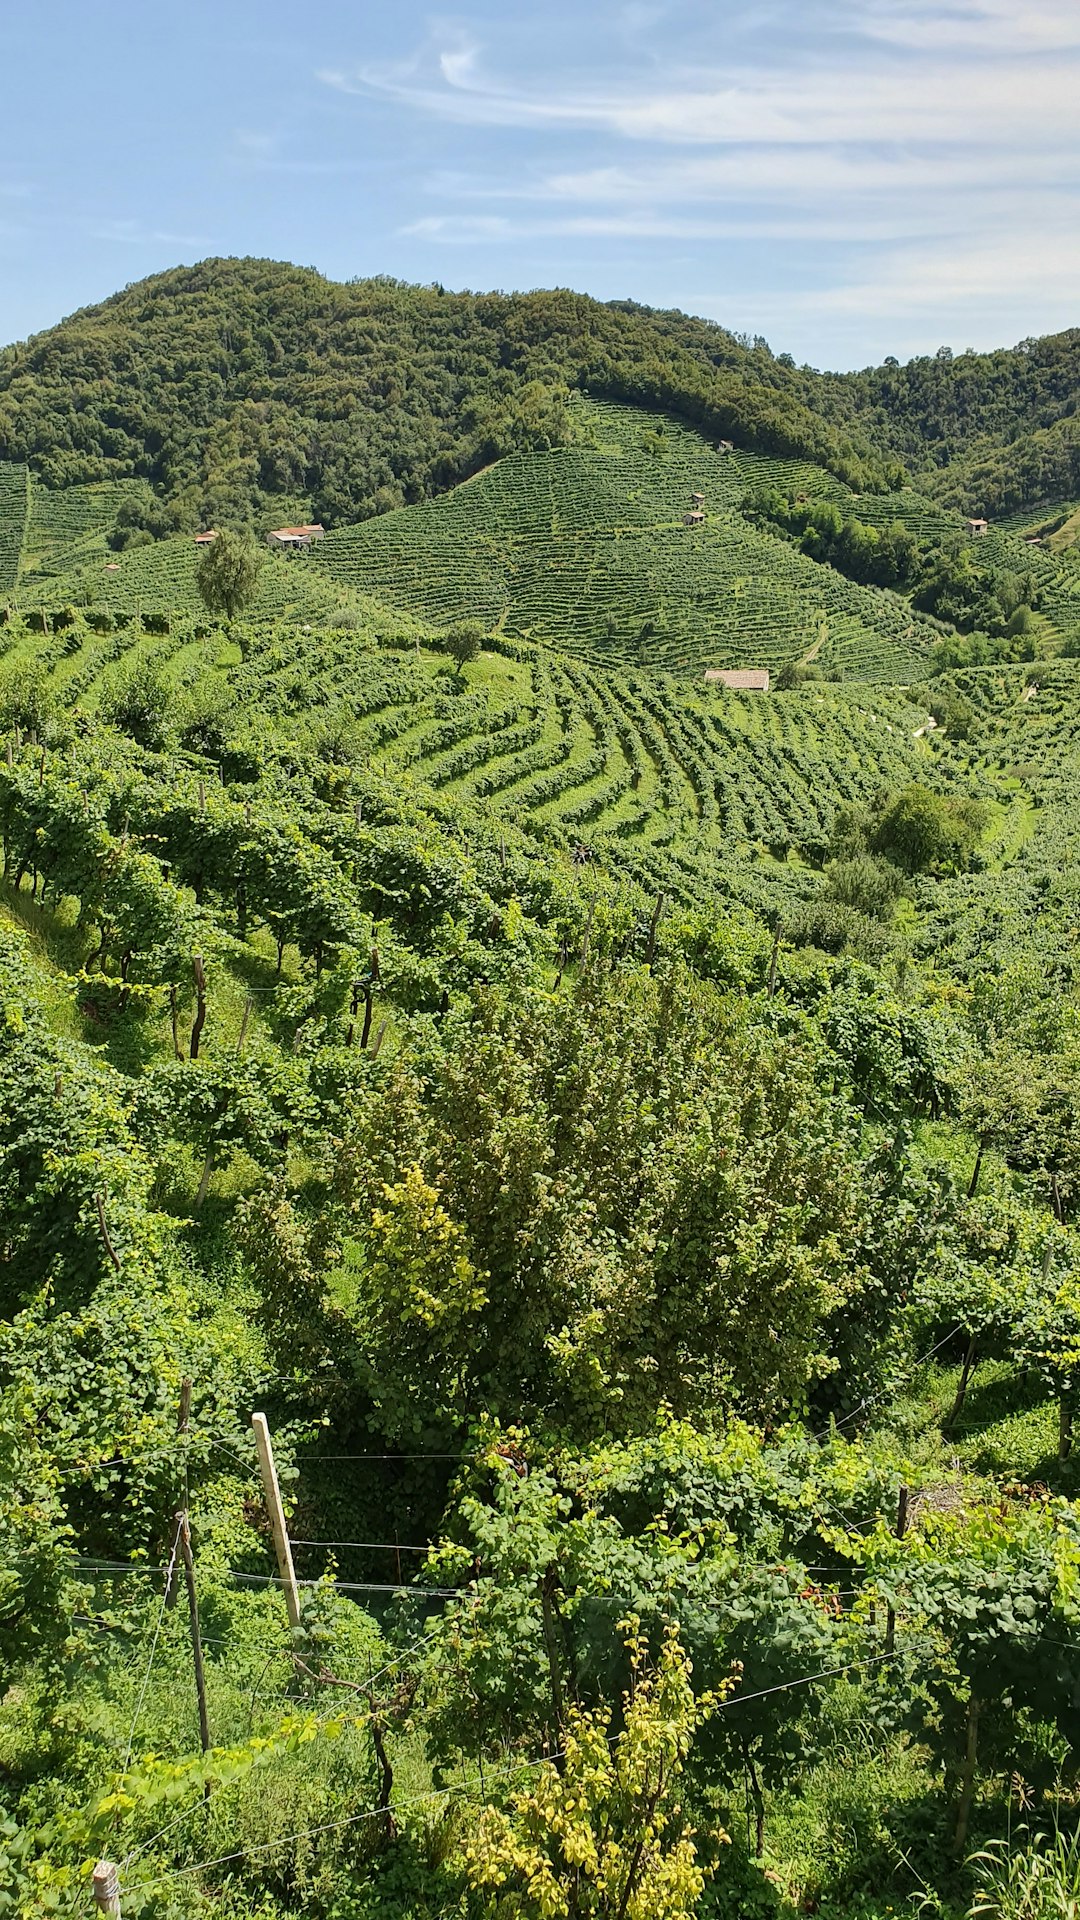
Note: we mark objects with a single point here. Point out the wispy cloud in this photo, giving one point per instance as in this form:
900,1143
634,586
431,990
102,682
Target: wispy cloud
930,148
133,233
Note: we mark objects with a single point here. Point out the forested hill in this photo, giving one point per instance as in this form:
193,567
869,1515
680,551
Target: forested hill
235,387
993,432
236,381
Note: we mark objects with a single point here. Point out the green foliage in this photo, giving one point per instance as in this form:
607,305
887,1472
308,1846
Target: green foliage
604,1833
139,705
227,573
620,1131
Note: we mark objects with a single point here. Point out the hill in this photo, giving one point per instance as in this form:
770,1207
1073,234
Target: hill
235,386
234,383
990,433
621,1132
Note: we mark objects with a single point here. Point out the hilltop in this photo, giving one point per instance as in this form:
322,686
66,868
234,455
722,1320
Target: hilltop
236,387
238,382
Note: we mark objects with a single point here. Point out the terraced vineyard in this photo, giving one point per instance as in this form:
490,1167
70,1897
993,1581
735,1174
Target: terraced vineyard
13,487
66,526
681,788
161,579
586,547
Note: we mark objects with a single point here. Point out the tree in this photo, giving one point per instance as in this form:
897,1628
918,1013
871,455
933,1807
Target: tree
139,705
604,1833
463,642
227,573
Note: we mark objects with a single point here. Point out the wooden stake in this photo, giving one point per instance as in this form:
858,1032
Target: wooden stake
183,1529
107,1888
277,1518
901,1529
200,1012
654,924
99,1201
773,958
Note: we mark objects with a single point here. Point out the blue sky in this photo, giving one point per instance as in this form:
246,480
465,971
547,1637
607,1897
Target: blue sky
850,178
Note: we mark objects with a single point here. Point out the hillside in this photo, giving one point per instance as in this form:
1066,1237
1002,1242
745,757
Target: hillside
990,433
237,382
621,1132
237,385
586,547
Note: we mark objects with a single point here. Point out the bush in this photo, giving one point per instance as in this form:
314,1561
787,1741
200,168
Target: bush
139,705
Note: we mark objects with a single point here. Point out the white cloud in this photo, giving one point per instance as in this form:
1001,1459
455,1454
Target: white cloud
980,26
468,228
929,148
838,95
134,234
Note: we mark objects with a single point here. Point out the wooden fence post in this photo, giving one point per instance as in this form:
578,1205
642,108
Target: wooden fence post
276,1511
107,1888
200,1008
901,1529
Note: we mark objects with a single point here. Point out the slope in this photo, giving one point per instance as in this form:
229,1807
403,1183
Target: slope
587,547
236,382
13,501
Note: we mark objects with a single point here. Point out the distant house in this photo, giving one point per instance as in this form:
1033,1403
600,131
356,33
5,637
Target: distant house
725,446
204,539
739,679
695,519
977,527
294,539
698,499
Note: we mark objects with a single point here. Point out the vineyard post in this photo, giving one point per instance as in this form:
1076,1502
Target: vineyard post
900,1530
200,1012
183,1528
276,1511
107,1888
654,924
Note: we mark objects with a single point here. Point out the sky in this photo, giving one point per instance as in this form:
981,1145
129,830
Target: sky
848,178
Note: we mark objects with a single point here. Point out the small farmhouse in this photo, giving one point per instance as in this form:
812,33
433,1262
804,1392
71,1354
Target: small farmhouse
739,679
977,527
294,539
695,519
725,446
204,539
698,499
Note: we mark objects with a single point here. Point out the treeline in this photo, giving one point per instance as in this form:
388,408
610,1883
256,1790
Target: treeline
988,432
240,383
949,581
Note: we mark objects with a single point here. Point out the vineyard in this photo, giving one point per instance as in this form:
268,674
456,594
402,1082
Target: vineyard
539,1191
674,788
586,547
13,504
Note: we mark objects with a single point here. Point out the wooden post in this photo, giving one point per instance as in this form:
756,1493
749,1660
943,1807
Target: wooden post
107,1888
183,1529
99,1202
551,1648
654,927
277,1517
901,1529
200,1012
